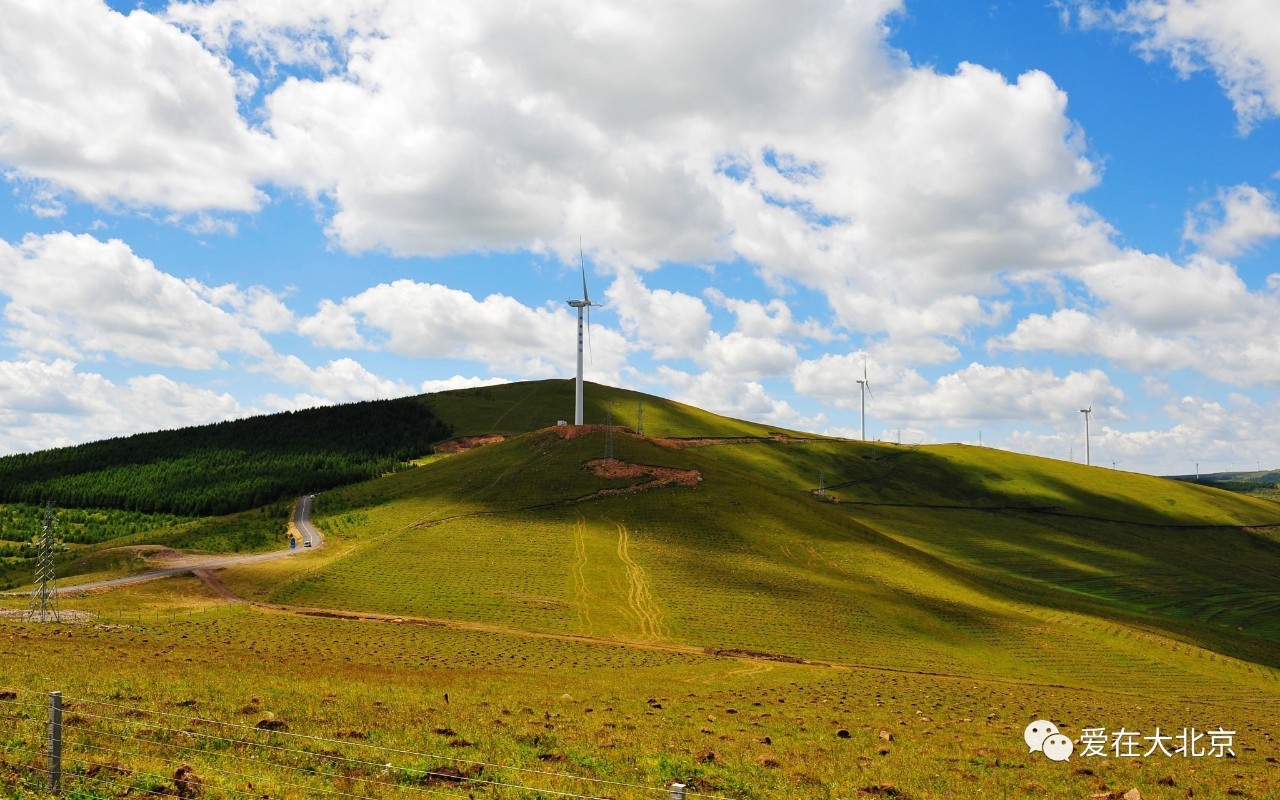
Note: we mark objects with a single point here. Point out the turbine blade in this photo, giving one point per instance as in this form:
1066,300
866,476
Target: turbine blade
869,394
582,264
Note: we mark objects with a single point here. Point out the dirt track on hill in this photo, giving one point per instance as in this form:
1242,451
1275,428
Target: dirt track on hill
299,525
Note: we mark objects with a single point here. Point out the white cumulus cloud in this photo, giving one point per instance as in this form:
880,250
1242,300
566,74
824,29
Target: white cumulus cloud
1238,219
429,320
78,297
1239,40
125,109
53,404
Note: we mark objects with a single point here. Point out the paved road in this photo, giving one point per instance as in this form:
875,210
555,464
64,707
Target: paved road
311,539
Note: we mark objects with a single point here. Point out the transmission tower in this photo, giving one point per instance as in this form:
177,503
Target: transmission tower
44,594
822,484
608,436
640,419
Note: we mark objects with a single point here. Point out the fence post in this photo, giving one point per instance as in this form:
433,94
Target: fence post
55,743
677,791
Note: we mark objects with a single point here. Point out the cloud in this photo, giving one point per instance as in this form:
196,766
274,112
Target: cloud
1238,219
741,399
671,324
769,319
834,377
1156,315
1157,294
1238,40
429,320
341,381
1237,435
123,110
459,382
736,354
1076,332
77,297
992,393
52,404
788,135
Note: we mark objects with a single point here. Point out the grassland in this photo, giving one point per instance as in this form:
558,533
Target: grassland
930,603
735,727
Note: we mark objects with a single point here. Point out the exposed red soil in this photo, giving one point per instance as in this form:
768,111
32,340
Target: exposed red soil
648,475
463,443
574,431
754,654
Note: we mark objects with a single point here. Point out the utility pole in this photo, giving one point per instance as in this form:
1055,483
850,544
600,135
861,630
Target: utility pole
822,483
608,436
44,594
640,418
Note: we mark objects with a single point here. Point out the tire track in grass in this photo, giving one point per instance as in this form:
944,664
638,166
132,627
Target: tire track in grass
639,599
581,594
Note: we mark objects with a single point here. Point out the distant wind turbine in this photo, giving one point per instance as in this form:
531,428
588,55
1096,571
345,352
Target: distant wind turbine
864,387
1086,412
586,303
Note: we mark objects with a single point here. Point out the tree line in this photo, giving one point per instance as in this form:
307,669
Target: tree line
228,466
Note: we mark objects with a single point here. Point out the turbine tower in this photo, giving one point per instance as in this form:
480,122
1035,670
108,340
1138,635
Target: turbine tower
584,303
864,387
1086,412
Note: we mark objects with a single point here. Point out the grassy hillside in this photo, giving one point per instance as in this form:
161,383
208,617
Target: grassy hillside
1264,483
951,559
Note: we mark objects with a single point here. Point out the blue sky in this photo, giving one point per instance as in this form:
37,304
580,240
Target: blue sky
1009,211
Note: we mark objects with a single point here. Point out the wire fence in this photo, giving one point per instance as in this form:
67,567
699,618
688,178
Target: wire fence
88,749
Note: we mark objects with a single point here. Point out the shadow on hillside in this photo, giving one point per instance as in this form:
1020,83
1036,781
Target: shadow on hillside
929,479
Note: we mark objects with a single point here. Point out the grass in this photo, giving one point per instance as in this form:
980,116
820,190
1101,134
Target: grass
729,726
943,595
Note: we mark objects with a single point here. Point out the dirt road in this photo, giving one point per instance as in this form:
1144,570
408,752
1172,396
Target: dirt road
308,539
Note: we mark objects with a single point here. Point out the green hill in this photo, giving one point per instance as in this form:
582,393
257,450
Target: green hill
709,532
1264,483
228,466
946,559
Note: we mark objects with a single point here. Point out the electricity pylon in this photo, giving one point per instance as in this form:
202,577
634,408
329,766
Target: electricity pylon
44,594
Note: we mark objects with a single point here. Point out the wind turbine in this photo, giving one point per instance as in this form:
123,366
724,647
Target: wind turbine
864,387
584,303
1086,412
